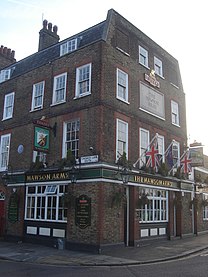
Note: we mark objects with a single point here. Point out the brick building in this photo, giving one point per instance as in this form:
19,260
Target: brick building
106,91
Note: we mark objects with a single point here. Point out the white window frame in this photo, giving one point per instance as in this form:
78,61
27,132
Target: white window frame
68,47
176,153
8,107
161,147
5,75
62,88
175,113
83,81
122,84
157,208
143,56
38,93
158,67
4,151
143,146
121,138
44,203
205,208
42,156
73,142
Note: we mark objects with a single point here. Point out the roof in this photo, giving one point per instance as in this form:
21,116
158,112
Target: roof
51,53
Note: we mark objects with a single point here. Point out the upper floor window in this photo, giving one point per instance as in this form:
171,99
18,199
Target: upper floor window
176,153
122,85
38,94
68,46
161,147
174,113
4,75
143,56
71,138
83,80
8,105
158,67
121,138
144,143
59,89
4,151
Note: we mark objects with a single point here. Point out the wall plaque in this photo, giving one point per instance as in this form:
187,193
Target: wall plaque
152,101
83,211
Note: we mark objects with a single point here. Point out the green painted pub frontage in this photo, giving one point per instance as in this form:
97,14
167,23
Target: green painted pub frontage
95,208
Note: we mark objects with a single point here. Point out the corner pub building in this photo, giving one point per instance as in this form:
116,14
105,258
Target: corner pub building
103,92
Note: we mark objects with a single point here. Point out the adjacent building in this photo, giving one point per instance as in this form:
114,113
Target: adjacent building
97,96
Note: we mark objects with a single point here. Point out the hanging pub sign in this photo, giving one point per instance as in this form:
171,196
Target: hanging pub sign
196,156
83,211
41,139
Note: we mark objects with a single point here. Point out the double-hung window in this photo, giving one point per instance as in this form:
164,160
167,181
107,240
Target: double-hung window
8,105
174,113
83,80
4,151
5,75
122,138
122,85
161,147
176,153
144,143
71,138
38,94
68,46
59,89
158,67
143,56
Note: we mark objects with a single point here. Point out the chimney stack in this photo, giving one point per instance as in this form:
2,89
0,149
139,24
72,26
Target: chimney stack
47,35
6,56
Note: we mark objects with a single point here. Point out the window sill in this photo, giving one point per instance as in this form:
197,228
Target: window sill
176,125
6,118
122,100
35,110
59,103
144,65
82,95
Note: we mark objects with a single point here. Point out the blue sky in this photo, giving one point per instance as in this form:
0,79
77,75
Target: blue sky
179,26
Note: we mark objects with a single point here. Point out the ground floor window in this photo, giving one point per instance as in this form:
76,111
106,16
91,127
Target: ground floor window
205,208
44,202
155,209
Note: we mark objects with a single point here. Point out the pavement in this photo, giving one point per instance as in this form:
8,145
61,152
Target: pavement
147,252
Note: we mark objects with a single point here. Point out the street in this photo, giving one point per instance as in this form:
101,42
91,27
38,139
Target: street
194,266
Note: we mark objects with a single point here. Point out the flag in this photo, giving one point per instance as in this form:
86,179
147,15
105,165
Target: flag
169,155
186,163
152,156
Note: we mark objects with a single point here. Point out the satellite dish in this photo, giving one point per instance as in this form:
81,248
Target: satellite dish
20,149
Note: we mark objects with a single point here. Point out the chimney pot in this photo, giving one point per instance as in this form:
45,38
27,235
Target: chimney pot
9,52
12,54
55,29
45,22
50,26
5,50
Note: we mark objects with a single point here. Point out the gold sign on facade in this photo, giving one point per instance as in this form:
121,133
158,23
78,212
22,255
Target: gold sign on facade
151,79
153,181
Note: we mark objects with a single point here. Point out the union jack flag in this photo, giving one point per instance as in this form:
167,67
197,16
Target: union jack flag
186,163
152,157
